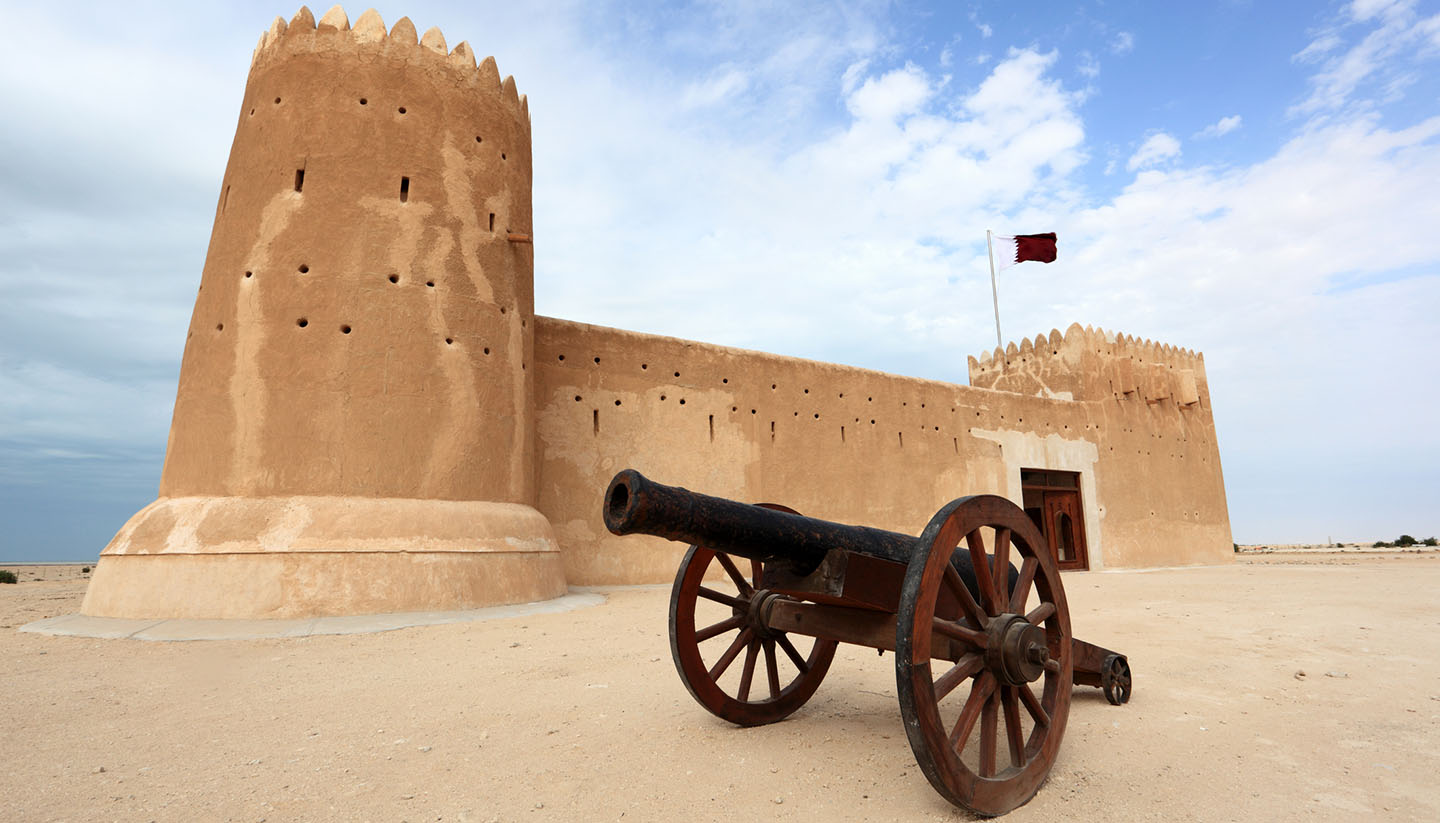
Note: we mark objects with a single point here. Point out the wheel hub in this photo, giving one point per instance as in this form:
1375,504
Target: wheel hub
1017,650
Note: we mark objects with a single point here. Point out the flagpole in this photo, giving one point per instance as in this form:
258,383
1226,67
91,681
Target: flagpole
994,293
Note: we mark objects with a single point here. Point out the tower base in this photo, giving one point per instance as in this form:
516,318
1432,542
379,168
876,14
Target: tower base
288,557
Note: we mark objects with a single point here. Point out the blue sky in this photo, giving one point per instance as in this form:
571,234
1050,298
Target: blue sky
1254,180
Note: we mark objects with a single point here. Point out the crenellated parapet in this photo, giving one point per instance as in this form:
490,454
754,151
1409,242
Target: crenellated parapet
1094,364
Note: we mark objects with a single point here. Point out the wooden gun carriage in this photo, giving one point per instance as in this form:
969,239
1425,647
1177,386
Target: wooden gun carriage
952,615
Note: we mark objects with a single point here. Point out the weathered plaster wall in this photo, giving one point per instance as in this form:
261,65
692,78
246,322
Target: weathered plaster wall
361,341
851,445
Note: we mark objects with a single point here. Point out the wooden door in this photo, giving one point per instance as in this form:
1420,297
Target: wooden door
1065,529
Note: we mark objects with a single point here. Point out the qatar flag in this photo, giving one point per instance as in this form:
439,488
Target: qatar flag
1022,247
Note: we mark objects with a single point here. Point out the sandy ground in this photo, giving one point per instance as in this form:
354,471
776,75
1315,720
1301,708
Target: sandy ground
580,716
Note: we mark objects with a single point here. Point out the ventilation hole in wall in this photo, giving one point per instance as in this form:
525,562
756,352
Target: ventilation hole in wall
578,398
597,361
502,155
492,221
364,102
842,395
345,329
842,434
449,341
487,349
595,420
299,179
394,278
617,402
404,189
1022,420
752,411
872,422
807,391
956,441
502,309
219,327
277,101
712,428
677,374
977,414
903,403
401,109
772,431
734,408
562,358
869,400
249,274
522,365
662,398
304,269
430,283
937,428
772,387
224,199
302,322
644,366
682,401
901,435
252,112
817,415
479,139
724,380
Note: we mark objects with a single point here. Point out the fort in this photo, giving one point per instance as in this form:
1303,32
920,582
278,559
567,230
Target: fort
371,417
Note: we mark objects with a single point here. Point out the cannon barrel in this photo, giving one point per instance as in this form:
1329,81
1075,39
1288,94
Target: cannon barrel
635,504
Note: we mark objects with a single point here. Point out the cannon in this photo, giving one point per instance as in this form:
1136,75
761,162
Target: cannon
759,577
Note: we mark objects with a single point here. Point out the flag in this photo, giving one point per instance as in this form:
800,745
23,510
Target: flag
1022,247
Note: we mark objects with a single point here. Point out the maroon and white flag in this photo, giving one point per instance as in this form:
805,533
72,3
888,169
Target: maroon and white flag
1023,247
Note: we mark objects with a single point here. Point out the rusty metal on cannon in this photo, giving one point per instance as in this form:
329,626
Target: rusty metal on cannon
953,615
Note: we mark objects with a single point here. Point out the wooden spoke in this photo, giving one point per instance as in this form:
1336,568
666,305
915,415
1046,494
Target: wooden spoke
1022,586
980,692
1013,732
720,628
966,667
756,569
962,593
1032,704
961,633
719,597
740,582
774,669
988,721
981,562
729,656
747,674
1040,613
792,653
1000,572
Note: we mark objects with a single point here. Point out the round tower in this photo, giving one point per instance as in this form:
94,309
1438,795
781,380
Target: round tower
353,430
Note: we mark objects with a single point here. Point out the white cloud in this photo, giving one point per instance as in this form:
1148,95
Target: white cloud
1221,127
1087,66
985,30
1387,55
717,89
1156,148
1122,43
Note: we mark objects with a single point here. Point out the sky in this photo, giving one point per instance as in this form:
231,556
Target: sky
1253,180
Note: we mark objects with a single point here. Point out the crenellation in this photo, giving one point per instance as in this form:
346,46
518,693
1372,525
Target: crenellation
434,40
334,20
369,28
403,33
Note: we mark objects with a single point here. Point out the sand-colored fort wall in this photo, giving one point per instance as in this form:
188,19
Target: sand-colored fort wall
370,417
858,446
355,391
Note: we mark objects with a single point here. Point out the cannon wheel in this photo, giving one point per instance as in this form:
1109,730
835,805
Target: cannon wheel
745,632
1115,679
999,653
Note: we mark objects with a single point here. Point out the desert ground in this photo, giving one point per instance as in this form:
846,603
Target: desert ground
1287,686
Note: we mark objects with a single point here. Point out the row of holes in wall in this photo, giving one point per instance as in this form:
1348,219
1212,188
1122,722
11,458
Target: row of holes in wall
843,430
400,111
392,278
346,328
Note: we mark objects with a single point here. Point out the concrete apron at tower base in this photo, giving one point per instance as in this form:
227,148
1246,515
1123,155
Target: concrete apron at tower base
287,557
